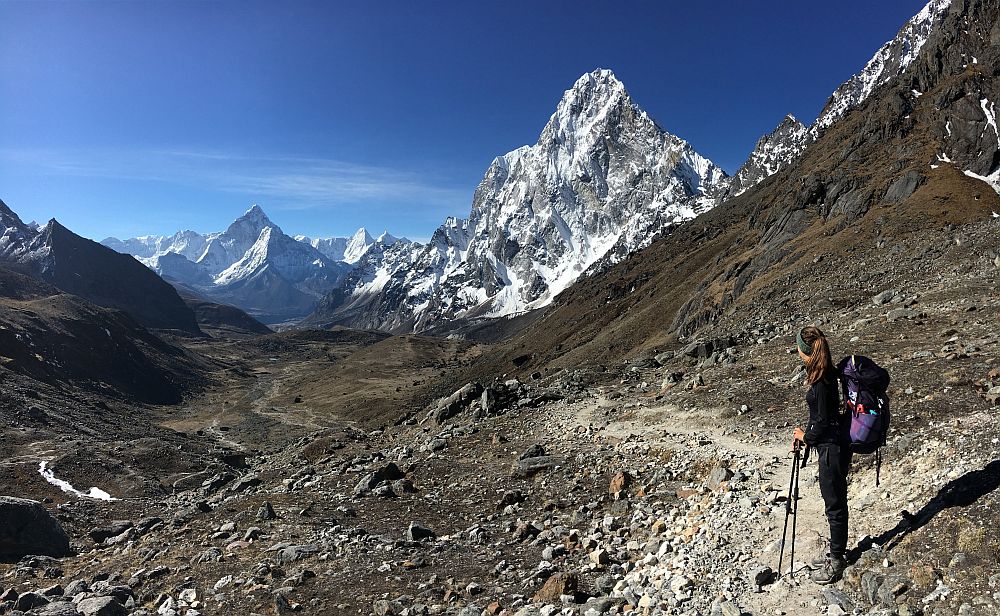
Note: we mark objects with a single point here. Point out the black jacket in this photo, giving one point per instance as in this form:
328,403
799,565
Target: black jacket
826,423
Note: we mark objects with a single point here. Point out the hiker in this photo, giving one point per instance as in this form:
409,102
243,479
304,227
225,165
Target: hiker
829,434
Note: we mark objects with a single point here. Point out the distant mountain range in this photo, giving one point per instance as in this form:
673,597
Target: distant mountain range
253,264
602,182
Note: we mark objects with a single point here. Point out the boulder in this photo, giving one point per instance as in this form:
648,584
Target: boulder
115,528
58,608
26,527
534,451
901,313
293,553
266,511
29,601
531,466
100,606
455,403
719,474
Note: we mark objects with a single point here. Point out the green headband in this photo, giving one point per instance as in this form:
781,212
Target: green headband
805,348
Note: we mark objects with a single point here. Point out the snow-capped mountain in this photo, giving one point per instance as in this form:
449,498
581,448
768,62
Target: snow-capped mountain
601,182
252,265
790,138
541,216
348,249
773,151
888,62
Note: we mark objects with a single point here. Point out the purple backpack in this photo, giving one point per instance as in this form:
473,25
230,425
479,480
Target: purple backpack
866,399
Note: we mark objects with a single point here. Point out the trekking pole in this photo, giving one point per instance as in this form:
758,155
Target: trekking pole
788,506
795,506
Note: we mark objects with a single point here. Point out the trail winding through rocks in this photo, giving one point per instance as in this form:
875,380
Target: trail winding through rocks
793,594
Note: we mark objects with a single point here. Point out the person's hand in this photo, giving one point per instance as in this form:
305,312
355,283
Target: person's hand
798,438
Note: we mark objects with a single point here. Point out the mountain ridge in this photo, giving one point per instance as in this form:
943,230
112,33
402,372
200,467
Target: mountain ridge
82,267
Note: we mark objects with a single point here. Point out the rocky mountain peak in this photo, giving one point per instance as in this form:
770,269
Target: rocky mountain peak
602,174
386,239
13,232
888,62
592,91
772,152
592,107
8,214
252,222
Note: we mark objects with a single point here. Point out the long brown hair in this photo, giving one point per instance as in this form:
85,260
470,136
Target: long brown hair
819,361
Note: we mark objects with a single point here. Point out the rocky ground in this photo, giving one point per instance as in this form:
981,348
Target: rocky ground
354,473
657,486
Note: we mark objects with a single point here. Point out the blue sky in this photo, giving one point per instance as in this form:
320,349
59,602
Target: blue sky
128,118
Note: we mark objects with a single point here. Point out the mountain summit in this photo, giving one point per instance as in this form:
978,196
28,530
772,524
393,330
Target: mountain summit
252,265
542,215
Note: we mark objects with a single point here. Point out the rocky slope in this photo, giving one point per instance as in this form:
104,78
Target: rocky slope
252,265
654,486
79,266
222,319
601,173
58,338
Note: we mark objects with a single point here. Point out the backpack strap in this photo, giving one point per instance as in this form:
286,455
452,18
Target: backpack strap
878,465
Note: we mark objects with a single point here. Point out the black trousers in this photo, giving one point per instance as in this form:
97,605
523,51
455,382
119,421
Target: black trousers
834,464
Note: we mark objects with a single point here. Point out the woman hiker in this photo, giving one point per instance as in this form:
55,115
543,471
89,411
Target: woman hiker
829,434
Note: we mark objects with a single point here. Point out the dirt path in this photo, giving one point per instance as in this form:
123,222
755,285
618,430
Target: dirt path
792,595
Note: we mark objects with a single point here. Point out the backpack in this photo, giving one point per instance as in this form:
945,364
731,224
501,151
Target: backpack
866,400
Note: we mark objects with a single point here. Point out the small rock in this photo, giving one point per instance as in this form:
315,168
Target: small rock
718,475
619,484
417,532
266,511
556,586
535,451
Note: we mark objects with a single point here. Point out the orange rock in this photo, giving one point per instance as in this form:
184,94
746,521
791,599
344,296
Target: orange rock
556,586
619,483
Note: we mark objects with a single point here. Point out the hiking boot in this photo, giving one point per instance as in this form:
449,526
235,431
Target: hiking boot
819,561
829,572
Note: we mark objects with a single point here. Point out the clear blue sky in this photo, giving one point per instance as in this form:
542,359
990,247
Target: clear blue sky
126,118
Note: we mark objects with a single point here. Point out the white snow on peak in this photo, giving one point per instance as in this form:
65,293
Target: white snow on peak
602,177
786,143
889,61
357,245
